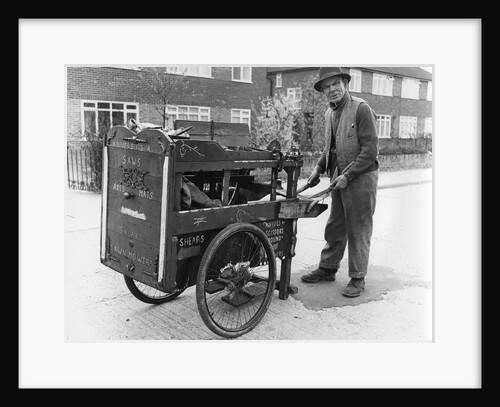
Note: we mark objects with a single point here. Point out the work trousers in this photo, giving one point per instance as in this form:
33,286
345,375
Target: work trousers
351,223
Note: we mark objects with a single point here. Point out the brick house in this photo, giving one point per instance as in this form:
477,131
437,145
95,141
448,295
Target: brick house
100,97
400,96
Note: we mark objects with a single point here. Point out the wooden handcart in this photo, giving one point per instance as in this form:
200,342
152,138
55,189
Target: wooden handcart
229,251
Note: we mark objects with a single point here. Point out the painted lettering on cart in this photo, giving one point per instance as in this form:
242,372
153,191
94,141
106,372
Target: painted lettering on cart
140,193
191,240
133,146
130,233
131,212
145,194
129,254
118,187
135,161
274,224
275,231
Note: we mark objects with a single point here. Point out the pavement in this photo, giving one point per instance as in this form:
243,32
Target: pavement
395,306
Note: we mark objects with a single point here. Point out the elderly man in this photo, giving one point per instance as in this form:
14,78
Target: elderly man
350,159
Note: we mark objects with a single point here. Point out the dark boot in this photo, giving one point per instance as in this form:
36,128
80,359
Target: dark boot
354,288
319,274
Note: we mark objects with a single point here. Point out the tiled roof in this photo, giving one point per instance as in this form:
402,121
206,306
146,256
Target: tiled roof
406,71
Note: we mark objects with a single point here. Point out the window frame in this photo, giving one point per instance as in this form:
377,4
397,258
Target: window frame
170,111
111,109
241,115
296,94
356,77
386,119
382,78
241,70
428,129
410,88
279,80
408,120
429,91
188,70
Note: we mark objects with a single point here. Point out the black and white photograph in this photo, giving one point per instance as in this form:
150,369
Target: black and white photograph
224,192
248,206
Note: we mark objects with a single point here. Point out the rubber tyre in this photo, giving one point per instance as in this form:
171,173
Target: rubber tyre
145,293
218,246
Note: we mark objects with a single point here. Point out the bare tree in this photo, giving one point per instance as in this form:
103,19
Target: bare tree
162,86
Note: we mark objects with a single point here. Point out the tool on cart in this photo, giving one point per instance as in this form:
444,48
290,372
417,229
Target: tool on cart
308,185
137,126
320,196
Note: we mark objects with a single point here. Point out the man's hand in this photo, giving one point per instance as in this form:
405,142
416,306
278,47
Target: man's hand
315,174
340,182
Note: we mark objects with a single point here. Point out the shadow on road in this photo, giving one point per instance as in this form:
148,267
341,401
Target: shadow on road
327,294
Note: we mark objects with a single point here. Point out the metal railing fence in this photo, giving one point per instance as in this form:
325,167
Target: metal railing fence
84,165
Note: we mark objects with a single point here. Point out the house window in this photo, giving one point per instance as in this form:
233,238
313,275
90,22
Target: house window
355,83
407,127
131,67
240,116
278,80
190,70
197,113
410,88
294,95
429,91
428,127
384,125
242,73
98,116
382,85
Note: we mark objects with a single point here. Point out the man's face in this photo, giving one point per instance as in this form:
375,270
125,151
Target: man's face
334,89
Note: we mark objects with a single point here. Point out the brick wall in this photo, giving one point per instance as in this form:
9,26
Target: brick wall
125,85
387,162
148,113
394,106
113,84
73,117
296,78
219,93
405,161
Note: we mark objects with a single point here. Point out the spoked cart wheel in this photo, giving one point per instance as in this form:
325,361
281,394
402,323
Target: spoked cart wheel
236,279
149,294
